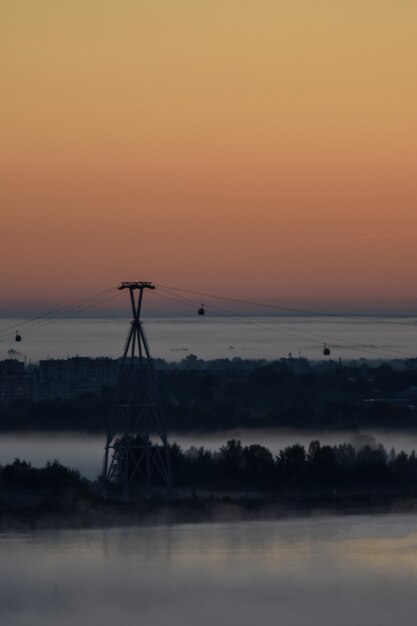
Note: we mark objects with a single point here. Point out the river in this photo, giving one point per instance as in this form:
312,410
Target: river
344,571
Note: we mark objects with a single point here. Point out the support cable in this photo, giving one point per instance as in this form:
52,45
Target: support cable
294,331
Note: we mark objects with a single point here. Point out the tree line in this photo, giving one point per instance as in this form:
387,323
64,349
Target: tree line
225,394
253,467
295,469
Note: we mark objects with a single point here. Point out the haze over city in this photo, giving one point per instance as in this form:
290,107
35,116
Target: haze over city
262,149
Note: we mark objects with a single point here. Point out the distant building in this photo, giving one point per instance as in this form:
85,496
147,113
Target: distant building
16,381
56,378
405,399
66,378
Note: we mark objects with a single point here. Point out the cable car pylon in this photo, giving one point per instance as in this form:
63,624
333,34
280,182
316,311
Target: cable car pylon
130,454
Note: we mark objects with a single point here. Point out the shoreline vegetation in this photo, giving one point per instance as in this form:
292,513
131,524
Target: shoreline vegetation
235,483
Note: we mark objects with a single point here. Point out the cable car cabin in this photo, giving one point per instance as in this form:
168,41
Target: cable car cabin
326,350
18,337
201,310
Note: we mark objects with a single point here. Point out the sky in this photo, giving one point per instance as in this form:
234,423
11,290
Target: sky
260,149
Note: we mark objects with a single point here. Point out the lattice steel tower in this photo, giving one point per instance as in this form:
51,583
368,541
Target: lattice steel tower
129,451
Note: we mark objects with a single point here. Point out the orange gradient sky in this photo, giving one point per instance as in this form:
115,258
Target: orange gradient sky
262,149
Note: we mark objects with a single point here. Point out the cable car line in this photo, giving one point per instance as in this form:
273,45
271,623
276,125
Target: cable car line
230,314
251,302
332,339
305,335
367,318
68,310
58,310
374,350
165,291
72,312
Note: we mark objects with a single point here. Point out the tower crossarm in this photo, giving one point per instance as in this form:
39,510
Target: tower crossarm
137,285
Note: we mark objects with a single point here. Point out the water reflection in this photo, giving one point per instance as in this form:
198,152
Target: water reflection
327,571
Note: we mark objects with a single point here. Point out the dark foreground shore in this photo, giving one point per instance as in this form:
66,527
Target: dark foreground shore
236,483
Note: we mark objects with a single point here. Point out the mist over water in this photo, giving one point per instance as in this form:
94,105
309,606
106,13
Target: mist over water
84,451
216,337
348,571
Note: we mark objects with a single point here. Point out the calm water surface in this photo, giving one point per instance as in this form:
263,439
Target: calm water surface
345,571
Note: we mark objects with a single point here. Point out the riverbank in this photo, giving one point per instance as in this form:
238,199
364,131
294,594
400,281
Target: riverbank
235,483
75,512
